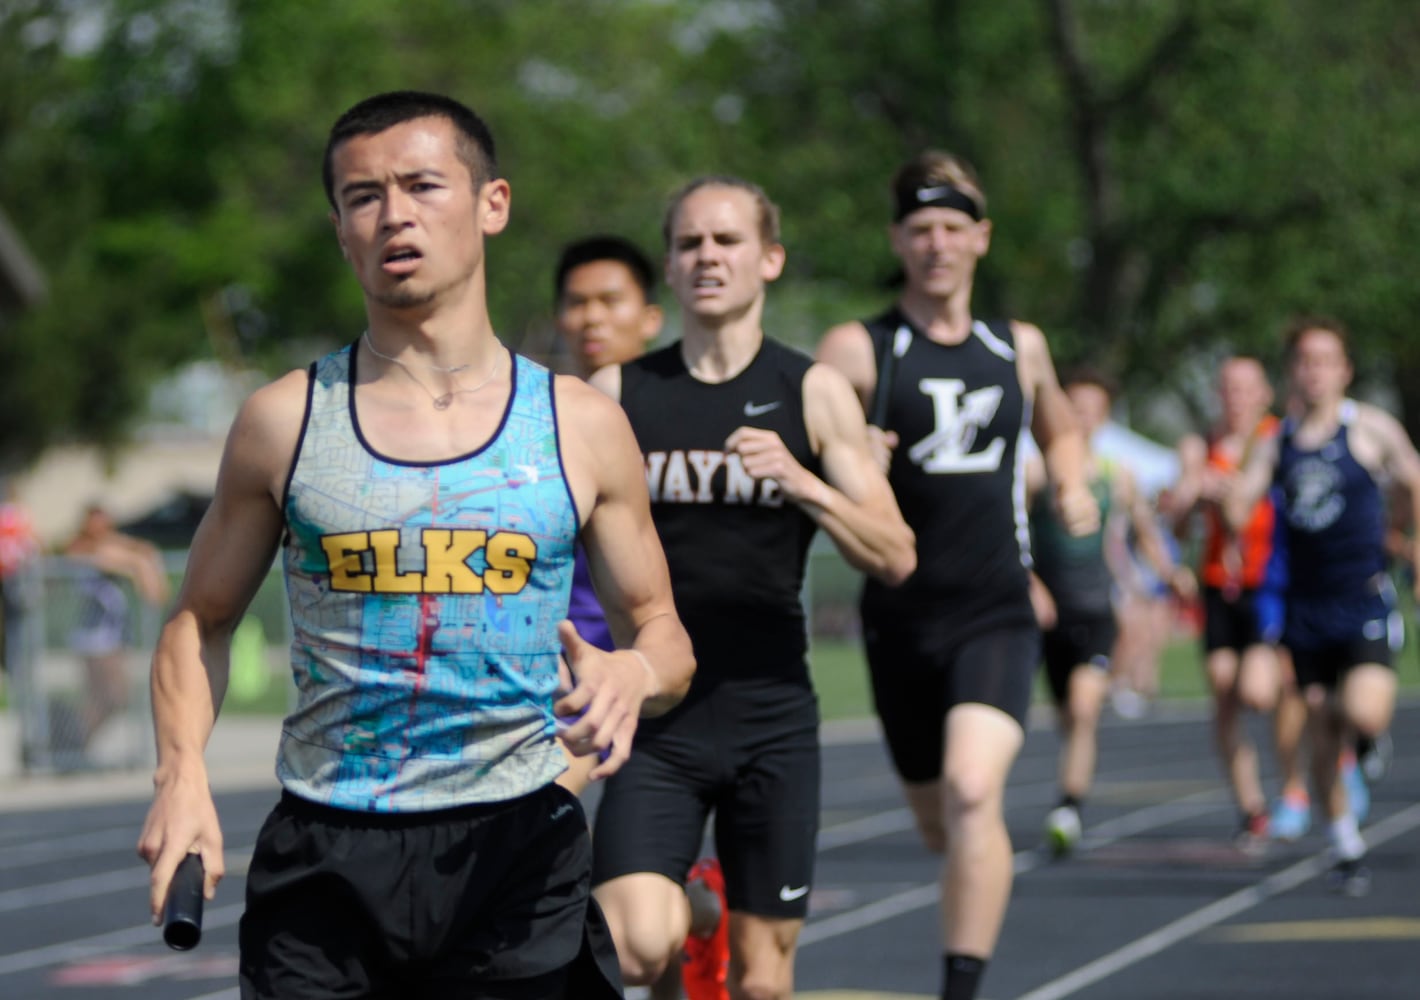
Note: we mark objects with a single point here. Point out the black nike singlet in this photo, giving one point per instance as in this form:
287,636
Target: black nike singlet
736,546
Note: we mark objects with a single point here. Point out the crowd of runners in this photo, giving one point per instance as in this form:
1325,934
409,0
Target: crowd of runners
440,503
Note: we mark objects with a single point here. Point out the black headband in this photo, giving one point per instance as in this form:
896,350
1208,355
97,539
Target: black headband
937,196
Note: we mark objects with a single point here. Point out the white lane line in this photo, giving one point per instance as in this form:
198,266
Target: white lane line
879,824
921,897
896,905
83,887
79,845
1212,914
98,884
868,827
128,937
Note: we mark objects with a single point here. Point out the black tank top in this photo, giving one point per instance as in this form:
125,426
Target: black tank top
958,411
735,546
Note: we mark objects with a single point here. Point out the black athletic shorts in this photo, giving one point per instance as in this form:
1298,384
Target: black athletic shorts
923,667
1076,642
1329,635
746,750
1234,624
481,902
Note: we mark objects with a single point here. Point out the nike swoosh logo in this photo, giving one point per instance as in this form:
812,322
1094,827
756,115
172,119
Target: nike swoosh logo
789,895
756,409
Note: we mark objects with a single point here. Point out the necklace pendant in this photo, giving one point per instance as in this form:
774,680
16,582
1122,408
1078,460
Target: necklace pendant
442,402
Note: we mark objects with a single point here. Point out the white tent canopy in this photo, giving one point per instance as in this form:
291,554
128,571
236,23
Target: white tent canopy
1154,466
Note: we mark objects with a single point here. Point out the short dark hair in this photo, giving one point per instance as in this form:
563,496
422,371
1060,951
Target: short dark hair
768,211
383,111
1086,374
1306,322
592,249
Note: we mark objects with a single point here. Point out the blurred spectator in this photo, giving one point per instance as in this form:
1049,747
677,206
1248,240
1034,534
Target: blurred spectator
1147,607
18,548
111,562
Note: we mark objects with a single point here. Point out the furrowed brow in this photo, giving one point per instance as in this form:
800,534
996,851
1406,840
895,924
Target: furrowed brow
355,187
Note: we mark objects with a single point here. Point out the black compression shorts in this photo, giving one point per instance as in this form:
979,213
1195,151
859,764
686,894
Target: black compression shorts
923,668
1329,635
1075,643
1231,623
746,750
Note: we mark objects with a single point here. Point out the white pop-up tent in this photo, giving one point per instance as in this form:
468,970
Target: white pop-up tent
1153,465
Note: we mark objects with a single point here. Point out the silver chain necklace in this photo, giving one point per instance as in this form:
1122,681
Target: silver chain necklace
446,400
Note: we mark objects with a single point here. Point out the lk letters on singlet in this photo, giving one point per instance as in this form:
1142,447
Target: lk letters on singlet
957,472
425,600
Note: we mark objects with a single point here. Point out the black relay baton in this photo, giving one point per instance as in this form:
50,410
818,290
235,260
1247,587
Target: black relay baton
182,914
887,366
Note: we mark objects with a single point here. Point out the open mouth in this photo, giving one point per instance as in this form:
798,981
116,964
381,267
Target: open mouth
401,259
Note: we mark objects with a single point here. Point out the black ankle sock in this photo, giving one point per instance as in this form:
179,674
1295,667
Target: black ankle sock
961,975
1364,745
1073,801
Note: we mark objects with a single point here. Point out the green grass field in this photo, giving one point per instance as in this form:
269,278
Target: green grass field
841,674
841,677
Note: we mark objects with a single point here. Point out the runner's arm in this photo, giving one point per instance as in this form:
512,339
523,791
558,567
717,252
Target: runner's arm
230,556
1402,463
1150,537
1250,484
853,502
650,670
1055,429
848,348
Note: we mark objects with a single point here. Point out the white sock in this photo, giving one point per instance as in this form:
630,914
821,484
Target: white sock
1346,842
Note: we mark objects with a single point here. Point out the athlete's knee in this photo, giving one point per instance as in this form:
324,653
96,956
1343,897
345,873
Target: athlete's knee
1082,712
1258,697
1369,720
1258,684
1319,701
644,956
1222,674
762,957
643,927
765,982
1368,699
969,796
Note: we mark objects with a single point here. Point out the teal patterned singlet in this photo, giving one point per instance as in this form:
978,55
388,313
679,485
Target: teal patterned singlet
425,599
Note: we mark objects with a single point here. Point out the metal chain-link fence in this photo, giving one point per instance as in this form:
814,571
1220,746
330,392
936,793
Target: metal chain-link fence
78,646
77,653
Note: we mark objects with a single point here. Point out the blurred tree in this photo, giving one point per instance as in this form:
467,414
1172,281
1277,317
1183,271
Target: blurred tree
1168,178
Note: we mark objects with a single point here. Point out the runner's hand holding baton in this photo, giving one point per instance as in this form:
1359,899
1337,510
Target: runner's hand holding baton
182,913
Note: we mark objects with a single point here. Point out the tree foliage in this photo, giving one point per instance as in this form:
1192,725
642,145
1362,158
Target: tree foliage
1169,179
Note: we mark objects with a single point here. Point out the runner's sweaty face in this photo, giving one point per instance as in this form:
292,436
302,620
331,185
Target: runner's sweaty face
717,264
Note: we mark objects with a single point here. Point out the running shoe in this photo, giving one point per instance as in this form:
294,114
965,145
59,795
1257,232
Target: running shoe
1357,794
1252,834
1063,829
706,966
1375,756
1128,703
1350,877
1291,816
